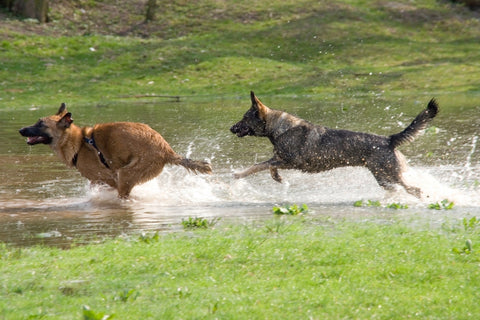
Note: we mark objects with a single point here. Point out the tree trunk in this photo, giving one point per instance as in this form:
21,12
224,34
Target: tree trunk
6,4
151,8
35,9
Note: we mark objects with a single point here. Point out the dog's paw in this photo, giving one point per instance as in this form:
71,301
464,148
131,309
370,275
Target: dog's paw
275,175
278,179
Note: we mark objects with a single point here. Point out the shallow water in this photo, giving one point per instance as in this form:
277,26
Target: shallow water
42,201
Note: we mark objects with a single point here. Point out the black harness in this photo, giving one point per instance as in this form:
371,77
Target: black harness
91,142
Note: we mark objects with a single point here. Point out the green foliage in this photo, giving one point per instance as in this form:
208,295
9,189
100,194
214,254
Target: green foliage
397,206
292,210
471,224
89,314
467,248
125,294
276,226
198,223
7,253
149,239
369,203
445,204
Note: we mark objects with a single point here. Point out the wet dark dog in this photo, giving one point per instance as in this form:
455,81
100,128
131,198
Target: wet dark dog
298,144
119,154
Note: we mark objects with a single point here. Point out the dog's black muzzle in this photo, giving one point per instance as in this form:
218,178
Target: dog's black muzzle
241,130
35,135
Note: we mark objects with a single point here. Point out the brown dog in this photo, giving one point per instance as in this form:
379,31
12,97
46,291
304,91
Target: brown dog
119,154
298,144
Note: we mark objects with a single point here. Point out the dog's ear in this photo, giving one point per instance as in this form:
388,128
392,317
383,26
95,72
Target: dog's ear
254,99
257,104
62,109
66,121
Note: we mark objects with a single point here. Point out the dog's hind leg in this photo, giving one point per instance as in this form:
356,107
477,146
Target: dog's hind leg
417,192
135,172
126,182
389,180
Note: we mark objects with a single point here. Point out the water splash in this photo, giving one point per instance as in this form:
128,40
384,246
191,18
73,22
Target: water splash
175,187
468,164
445,182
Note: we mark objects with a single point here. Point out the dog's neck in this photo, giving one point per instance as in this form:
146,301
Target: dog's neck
69,144
279,122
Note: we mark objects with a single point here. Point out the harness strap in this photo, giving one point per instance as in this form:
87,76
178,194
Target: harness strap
75,159
91,142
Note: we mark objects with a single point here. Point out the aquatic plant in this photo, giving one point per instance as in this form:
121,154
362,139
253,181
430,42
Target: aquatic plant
198,223
397,206
445,204
376,203
292,210
369,203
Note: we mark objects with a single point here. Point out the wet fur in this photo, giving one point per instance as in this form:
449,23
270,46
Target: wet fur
299,144
132,153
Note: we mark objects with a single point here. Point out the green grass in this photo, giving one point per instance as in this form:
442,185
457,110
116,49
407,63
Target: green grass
218,48
304,267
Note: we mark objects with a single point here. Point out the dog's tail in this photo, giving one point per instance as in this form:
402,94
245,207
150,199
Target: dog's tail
417,125
195,165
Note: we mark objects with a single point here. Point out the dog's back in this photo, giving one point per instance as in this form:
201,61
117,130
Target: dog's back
119,141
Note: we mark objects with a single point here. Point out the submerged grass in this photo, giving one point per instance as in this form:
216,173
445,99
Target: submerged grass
307,268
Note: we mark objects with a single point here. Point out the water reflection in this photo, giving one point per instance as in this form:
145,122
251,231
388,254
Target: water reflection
41,201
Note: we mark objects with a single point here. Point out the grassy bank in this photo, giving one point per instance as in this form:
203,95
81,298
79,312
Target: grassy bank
286,268
98,52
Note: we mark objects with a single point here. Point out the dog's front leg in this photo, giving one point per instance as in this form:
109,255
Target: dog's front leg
253,169
275,175
269,164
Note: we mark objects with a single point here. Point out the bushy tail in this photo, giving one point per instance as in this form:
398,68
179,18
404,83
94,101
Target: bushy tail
195,166
417,125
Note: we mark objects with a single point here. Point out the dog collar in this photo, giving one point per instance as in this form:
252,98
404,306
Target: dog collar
91,142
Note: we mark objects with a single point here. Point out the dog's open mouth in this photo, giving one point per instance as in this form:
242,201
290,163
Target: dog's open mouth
35,136
38,139
241,131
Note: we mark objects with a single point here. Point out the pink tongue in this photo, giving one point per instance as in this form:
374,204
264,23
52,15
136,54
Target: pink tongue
33,139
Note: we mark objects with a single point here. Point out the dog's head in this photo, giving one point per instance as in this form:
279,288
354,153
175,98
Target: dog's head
48,129
254,121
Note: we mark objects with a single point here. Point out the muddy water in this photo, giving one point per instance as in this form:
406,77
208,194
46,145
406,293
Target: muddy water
41,201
